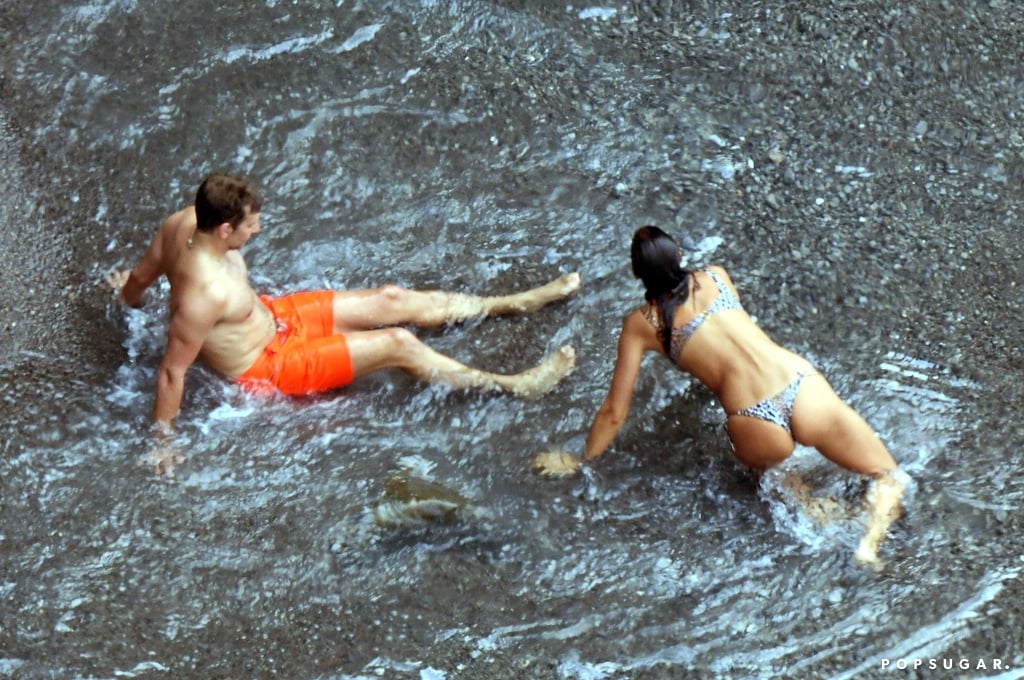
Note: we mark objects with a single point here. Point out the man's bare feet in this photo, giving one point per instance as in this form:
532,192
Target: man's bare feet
568,284
537,381
557,289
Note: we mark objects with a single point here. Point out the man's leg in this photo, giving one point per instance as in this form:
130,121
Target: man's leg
394,306
398,348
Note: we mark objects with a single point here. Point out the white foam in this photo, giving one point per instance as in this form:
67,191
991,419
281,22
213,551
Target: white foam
601,13
362,35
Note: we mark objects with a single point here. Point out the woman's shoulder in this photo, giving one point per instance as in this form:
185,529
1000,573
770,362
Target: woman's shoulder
640,328
717,269
648,312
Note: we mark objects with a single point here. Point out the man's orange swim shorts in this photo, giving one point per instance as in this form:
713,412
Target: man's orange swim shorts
305,356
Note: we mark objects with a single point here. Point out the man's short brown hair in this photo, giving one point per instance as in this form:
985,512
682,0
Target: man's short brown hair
223,198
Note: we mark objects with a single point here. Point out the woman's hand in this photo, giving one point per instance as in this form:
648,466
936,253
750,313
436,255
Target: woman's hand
556,464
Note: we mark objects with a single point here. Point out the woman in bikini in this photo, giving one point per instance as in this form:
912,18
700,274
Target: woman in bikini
773,397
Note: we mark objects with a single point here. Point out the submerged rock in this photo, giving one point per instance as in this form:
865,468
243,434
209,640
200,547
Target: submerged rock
409,499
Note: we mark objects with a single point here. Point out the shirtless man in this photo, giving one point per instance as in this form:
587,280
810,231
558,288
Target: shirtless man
307,342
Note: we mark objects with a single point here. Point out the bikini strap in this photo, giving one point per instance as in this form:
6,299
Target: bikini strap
719,282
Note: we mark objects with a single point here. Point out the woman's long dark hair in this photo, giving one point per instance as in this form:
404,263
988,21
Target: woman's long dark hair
656,262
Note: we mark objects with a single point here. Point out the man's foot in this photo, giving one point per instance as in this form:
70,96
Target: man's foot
567,284
553,291
537,381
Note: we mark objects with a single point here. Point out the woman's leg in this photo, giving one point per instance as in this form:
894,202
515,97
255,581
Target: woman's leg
395,306
822,420
758,443
398,348
884,502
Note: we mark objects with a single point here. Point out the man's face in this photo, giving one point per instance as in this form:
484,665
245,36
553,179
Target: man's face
249,227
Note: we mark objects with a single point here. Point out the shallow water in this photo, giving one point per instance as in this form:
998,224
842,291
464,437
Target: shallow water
491,146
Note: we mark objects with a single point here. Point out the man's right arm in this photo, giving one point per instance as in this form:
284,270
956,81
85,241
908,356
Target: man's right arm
148,270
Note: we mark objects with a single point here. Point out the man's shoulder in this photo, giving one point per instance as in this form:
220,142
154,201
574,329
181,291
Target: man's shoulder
186,217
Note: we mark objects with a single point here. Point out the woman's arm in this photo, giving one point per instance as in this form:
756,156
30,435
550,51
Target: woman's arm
636,338
613,412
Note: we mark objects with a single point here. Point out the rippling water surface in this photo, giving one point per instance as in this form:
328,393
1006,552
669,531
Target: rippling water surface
490,146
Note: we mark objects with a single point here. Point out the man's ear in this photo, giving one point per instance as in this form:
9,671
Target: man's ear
224,230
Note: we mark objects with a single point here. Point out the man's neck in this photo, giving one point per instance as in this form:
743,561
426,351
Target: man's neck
200,240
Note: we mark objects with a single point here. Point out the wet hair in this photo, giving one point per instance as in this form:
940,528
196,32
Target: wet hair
223,198
656,257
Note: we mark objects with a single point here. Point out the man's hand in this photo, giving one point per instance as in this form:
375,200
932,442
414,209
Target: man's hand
130,292
115,280
556,464
163,460
164,456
